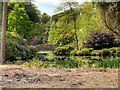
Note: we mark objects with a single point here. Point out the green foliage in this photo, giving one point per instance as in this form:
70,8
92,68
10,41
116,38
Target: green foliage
18,21
79,53
37,63
96,53
105,52
44,18
61,32
67,63
16,48
63,50
62,29
16,62
65,40
90,52
77,62
30,9
90,49
71,16
83,52
113,50
41,29
73,53
33,49
27,21
89,20
65,28
118,50
109,63
110,12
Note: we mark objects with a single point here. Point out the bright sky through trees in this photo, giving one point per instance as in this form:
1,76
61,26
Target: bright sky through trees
49,6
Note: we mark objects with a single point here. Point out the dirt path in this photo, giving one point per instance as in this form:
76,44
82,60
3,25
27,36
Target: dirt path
15,76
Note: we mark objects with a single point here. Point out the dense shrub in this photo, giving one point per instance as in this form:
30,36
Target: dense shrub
117,43
118,50
16,48
90,49
105,52
37,63
96,53
83,52
63,50
65,40
33,49
113,50
99,40
73,53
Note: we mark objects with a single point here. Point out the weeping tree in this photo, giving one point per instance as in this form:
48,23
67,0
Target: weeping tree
110,12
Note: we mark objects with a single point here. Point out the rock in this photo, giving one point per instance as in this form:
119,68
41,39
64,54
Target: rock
18,80
68,70
74,83
62,79
79,75
9,81
6,75
96,84
80,83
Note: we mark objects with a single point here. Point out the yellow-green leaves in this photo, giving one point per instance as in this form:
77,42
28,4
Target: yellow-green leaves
18,21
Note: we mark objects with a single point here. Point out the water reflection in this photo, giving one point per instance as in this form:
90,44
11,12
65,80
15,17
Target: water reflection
78,61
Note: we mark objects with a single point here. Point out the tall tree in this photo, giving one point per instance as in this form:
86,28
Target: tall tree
18,21
72,7
61,30
88,21
110,12
41,29
31,10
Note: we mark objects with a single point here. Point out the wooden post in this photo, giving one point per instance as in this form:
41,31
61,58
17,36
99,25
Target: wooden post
0,26
3,33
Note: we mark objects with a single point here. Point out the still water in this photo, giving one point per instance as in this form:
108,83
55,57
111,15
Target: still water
78,61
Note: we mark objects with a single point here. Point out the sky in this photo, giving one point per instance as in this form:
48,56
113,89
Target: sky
49,6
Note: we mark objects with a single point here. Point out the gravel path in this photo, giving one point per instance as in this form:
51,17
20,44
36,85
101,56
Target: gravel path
16,76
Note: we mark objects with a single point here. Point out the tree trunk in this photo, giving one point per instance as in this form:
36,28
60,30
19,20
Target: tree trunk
75,33
3,32
76,37
76,42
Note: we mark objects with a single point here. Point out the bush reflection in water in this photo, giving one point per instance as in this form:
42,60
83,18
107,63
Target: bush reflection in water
77,61
51,60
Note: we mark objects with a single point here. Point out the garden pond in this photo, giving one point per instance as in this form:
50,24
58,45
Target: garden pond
79,61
